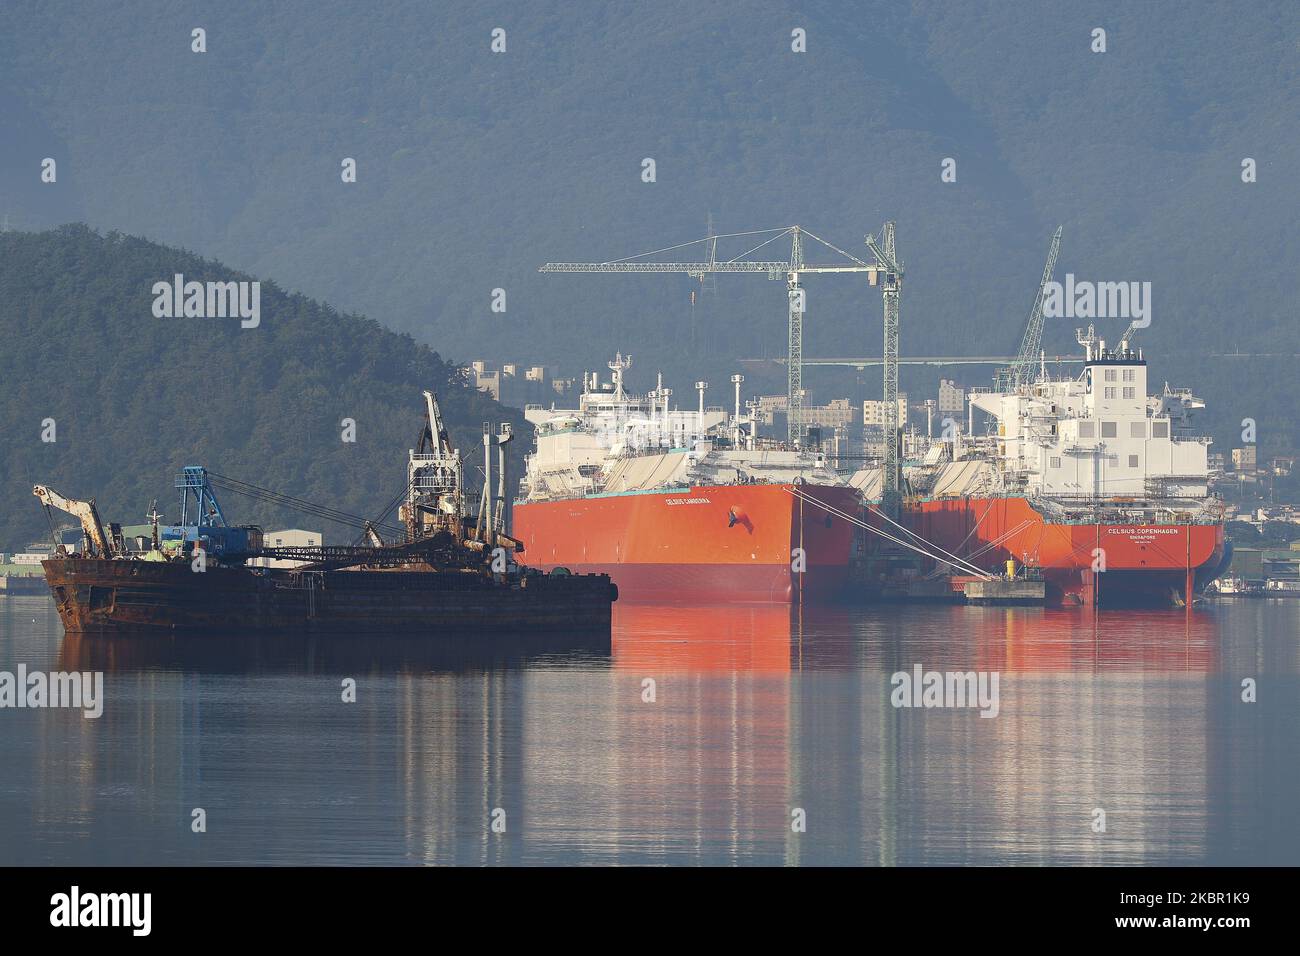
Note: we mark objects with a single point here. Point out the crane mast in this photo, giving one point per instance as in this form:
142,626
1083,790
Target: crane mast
887,259
794,367
1021,372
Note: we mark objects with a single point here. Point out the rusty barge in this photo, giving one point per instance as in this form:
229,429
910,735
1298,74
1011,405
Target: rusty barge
105,596
452,573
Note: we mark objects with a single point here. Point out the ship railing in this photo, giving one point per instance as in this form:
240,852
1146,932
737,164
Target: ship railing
1080,512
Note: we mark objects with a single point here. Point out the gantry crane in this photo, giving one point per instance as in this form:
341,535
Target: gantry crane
887,260
1021,371
793,270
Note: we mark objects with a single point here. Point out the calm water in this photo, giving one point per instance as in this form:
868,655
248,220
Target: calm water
758,711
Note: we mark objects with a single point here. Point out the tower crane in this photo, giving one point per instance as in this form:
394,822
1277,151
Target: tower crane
1021,371
793,269
888,262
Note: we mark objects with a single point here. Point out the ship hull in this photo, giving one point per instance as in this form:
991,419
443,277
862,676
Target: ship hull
107,597
753,542
1099,563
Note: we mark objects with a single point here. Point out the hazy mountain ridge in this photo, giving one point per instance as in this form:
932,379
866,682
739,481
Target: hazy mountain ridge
134,397
475,168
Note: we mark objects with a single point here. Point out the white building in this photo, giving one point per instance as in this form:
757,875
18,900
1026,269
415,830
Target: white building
287,538
837,414
873,411
952,400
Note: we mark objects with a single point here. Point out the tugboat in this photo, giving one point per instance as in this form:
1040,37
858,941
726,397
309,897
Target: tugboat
452,574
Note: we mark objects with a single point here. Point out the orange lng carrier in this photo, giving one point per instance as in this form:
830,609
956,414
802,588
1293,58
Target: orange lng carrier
676,504
707,542
1101,487
1114,559
1088,481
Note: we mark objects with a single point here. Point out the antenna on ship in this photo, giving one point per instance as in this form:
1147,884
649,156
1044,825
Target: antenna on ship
665,424
154,517
1087,339
617,367
654,396
700,387
736,380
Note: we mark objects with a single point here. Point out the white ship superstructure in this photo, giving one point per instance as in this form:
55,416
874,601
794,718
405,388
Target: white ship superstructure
1096,438
1099,435
618,442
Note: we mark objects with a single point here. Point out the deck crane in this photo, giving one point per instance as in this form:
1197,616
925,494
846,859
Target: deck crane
887,261
1126,340
794,269
85,511
1021,371
433,479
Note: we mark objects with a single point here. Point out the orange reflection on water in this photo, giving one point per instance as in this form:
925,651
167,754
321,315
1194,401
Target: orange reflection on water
773,638
739,637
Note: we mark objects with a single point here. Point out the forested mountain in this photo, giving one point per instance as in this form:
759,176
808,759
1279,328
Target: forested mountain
133,397
475,167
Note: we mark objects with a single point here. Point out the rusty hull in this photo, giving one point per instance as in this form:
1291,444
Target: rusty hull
96,596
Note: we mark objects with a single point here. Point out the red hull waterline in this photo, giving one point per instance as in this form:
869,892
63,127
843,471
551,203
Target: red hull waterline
1088,564
710,543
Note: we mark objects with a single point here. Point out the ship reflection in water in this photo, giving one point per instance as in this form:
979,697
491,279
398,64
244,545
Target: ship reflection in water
328,654
694,735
